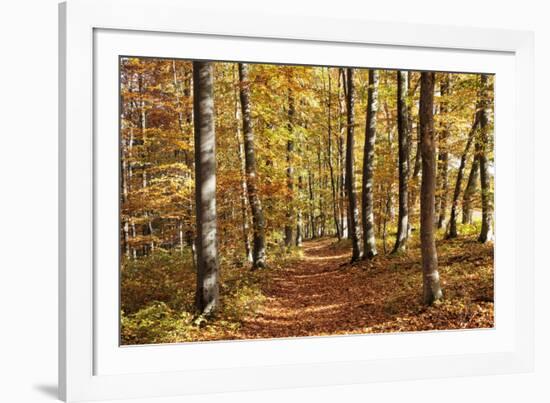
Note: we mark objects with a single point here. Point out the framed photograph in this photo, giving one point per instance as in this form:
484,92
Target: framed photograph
245,207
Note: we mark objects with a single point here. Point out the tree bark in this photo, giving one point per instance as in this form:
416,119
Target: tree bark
243,195
467,213
207,293
258,223
311,179
403,132
444,153
453,231
341,154
289,226
482,147
329,159
367,206
350,167
430,274
299,219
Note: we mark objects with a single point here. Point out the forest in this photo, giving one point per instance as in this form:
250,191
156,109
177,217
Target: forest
262,201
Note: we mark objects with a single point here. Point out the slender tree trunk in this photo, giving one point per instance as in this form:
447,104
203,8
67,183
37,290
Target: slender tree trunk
483,146
444,153
321,189
289,226
344,224
181,118
467,212
387,214
367,206
147,229
329,158
243,196
181,242
453,231
430,274
207,293
124,183
310,179
126,235
299,219
403,131
258,224
350,167
187,118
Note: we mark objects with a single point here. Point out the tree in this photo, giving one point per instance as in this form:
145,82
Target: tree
240,154
403,131
453,231
289,226
482,149
467,212
344,227
430,274
329,158
444,151
353,211
258,224
369,245
207,293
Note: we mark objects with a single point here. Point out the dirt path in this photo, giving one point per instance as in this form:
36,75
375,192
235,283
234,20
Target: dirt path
317,295
322,294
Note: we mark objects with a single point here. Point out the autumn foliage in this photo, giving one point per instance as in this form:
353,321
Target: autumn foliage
300,121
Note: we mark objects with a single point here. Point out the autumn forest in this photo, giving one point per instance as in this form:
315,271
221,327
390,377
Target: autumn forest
262,201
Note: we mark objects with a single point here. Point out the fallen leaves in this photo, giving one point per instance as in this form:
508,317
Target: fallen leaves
323,295
318,293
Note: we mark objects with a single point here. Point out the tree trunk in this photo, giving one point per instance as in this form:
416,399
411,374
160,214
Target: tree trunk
444,153
186,138
344,225
207,293
258,224
467,213
311,203
350,167
289,226
403,131
430,274
243,195
299,220
482,146
367,206
453,231
329,158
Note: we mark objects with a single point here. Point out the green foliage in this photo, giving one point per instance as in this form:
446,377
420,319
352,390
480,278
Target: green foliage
158,300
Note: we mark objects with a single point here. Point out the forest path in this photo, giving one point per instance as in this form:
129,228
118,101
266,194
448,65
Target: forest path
318,294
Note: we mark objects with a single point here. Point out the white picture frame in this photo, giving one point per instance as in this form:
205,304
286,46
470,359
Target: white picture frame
91,364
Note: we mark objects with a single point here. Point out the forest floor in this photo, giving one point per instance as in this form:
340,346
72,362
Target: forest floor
323,294
312,291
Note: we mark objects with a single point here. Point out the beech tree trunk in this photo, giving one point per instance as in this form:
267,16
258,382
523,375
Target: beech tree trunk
329,159
341,154
430,274
353,211
299,218
444,154
289,226
258,223
243,196
403,132
467,213
483,147
310,180
453,231
367,206
207,293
